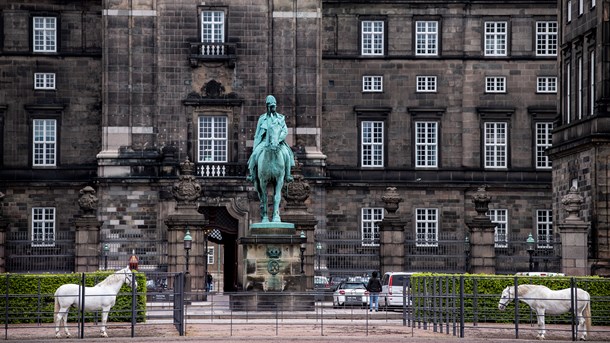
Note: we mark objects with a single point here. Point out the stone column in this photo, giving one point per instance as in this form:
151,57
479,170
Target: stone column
483,253
3,228
573,233
391,235
87,241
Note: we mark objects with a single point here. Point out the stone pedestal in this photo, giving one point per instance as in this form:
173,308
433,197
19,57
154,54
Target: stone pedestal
482,245
573,231
3,229
87,244
391,235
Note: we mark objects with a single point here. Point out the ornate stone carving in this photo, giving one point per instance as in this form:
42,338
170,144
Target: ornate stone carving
297,191
572,202
87,200
481,201
187,189
391,198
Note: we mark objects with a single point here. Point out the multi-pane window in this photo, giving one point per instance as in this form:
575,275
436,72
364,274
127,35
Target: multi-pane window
212,139
426,38
44,142
44,81
426,144
581,7
45,34
500,218
211,255
495,84
495,38
426,83
372,83
544,228
544,140
568,92
372,37
212,31
496,145
569,11
372,144
369,219
426,227
43,226
546,38
579,90
592,82
546,84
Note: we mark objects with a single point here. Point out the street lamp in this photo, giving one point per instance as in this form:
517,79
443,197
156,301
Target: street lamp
106,250
467,253
530,249
303,246
319,252
188,242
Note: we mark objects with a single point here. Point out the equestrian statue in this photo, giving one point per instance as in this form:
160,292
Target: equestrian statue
271,160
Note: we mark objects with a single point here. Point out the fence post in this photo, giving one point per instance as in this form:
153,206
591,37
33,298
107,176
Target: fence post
574,304
82,306
462,314
134,304
516,284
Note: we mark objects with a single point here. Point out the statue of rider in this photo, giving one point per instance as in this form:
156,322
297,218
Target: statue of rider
265,121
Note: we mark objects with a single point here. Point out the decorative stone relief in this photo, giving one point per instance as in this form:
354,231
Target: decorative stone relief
187,189
572,202
297,191
481,201
87,200
391,198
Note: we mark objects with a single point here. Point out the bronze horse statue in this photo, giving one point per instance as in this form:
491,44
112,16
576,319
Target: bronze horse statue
271,170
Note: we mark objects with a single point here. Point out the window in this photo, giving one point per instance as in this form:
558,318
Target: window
212,139
546,84
212,31
592,3
568,90
495,145
426,38
426,144
43,226
569,11
45,34
426,224
592,83
495,38
546,38
370,231
544,140
544,227
495,84
500,218
581,7
44,81
372,144
211,255
45,140
426,83
372,37
579,95
372,83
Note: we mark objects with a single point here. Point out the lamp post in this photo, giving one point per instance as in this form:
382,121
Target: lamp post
106,250
188,241
319,252
467,253
530,250
303,246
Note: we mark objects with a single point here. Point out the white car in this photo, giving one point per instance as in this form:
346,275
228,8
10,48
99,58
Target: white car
393,284
350,293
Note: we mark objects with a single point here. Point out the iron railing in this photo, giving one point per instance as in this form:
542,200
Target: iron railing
26,256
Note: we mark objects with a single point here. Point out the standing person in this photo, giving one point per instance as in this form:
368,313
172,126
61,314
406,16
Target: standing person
209,280
374,287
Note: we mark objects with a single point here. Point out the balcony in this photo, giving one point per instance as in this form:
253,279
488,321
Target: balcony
221,170
212,52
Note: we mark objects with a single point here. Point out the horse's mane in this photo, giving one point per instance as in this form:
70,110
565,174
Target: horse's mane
112,278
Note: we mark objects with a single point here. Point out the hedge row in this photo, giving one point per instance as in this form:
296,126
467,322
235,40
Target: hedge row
434,292
29,298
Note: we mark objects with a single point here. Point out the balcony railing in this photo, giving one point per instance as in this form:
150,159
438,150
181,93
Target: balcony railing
221,169
202,52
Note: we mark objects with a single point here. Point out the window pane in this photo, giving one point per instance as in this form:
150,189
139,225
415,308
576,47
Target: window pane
213,139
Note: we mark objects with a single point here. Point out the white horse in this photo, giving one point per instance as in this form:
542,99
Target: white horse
99,297
546,301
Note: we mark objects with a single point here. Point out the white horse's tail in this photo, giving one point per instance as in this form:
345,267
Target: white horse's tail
587,315
56,309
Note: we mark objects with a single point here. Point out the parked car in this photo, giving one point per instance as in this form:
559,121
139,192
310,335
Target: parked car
321,283
335,281
351,293
392,285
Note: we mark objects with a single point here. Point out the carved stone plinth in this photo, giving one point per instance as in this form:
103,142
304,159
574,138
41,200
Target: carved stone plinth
177,225
573,231
391,235
87,244
483,252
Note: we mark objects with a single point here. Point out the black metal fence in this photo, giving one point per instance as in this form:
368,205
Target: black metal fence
25,255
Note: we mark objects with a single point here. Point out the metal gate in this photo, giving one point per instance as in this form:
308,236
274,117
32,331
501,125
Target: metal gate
55,255
179,303
346,253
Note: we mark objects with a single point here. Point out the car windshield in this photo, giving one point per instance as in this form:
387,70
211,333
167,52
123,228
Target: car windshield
353,285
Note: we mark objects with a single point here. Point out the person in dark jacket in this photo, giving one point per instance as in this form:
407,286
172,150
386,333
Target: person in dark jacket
374,287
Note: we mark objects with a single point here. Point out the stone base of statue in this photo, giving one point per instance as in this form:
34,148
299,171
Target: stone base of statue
273,276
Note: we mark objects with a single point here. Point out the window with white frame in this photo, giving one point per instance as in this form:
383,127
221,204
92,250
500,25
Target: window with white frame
544,228
546,84
372,144
212,31
212,140
44,142
496,145
569,11
426,83
372,83
579,90
44,34
372,37
546,38
495,84
568,92
592,82
426,38
500,218
426,144
495,38
581,7
43,226
544,140
210,255
369,218
44,80
426,227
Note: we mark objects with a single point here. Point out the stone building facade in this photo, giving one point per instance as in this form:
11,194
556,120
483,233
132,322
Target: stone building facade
435,99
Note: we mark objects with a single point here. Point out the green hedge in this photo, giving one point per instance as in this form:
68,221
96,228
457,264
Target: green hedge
29,298
482,294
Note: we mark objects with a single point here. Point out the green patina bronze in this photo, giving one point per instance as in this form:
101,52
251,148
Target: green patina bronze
271,159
